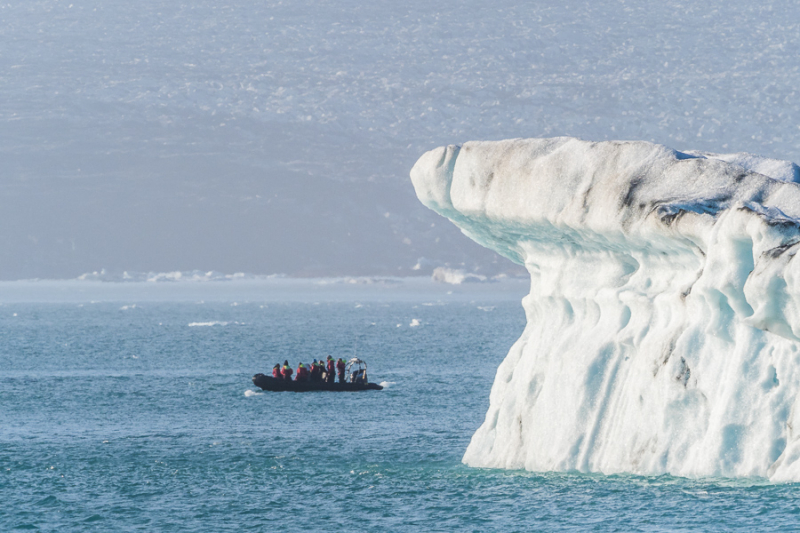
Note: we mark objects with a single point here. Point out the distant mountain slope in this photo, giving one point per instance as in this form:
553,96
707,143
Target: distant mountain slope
276,136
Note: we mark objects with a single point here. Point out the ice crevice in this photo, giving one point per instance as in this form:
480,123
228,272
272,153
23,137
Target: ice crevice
663,319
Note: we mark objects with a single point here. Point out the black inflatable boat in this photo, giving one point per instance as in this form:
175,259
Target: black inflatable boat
271,384
356,372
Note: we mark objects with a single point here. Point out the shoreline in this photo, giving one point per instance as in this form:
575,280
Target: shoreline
263,289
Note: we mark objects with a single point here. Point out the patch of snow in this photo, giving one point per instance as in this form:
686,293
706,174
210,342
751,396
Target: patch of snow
455,276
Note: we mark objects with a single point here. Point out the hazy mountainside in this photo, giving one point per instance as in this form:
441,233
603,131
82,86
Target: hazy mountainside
277,137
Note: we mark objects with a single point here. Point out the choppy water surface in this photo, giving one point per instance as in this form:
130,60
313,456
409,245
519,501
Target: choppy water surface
127,418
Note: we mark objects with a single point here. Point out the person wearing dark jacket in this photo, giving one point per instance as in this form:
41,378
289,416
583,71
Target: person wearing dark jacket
340,369
331,370
314,375
276,371
302,373
287,371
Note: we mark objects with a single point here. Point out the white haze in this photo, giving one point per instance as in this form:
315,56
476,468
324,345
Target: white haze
276,137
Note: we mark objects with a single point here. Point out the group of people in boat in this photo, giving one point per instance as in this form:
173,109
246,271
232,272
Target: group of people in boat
322,371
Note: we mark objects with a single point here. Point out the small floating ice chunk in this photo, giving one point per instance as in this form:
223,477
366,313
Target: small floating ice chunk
414,323
206,324
250,393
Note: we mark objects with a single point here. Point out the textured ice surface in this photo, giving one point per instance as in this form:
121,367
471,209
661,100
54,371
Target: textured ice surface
664,311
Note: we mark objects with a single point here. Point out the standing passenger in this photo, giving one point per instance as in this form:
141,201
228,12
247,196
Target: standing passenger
340,369
331,375
287,371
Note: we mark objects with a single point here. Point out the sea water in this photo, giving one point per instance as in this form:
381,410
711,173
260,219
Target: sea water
139,414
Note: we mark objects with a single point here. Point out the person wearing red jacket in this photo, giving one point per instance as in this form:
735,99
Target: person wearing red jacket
287,371
340,369
276,371
302,373
331,369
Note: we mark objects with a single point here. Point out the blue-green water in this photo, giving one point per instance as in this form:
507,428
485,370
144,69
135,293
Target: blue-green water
130,419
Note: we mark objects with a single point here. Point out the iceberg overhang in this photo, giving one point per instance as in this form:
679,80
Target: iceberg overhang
663,321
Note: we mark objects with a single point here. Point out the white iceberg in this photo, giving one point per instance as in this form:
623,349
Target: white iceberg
664,312
455,276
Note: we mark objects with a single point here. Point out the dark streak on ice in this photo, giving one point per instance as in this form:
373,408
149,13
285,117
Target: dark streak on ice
774,253
627,201
782,222
665,355
688,291
684,373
